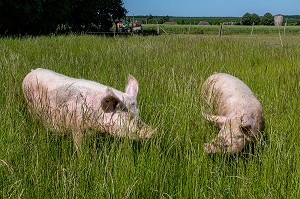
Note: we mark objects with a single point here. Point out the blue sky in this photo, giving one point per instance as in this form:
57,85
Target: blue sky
208,8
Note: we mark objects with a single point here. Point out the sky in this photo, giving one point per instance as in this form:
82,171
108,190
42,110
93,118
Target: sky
211,8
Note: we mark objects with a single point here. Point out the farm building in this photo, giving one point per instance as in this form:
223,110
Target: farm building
170,23
137,23
231,23
278,20
203,23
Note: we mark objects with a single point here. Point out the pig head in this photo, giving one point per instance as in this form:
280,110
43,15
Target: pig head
81,106
236,111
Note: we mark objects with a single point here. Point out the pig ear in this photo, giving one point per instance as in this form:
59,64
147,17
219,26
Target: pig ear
215,118
132,86
110,102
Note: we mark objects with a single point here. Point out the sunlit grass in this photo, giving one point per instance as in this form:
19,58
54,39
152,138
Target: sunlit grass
226,29
36,163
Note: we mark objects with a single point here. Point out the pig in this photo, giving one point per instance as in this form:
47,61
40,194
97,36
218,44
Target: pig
239,114
79,106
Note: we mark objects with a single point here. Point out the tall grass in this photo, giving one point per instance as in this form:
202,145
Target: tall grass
227,29
36,163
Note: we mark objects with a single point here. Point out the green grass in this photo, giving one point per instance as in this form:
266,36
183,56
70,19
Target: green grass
227,29
34,163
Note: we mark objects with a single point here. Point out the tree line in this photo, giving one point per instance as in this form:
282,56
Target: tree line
35,17
253,19
247,19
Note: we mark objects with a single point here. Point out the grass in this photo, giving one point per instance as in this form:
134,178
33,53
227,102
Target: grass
227,29
35,163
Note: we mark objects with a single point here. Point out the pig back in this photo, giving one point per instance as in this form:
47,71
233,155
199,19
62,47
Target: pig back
61,100
226,95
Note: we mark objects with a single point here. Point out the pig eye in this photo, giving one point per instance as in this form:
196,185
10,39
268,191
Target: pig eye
124,109
246,130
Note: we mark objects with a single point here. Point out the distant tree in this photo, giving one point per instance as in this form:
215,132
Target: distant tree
151,19
166,18
255,19
267,19
249,19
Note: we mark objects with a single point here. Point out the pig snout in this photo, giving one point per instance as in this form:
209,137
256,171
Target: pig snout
143,131
146,132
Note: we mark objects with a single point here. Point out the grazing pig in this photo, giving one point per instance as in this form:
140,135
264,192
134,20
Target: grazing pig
67,104
238,113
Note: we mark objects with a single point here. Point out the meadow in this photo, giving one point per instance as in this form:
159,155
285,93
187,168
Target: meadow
35,163
226,29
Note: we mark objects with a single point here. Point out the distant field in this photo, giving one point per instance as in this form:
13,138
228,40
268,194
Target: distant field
227,29
35,163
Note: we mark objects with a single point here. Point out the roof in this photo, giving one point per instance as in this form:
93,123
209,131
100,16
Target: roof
203,23
170,23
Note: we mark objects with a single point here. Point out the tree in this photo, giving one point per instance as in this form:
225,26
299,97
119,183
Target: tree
267,19
249,19
20,17
151,19
16,16
255,19
96,14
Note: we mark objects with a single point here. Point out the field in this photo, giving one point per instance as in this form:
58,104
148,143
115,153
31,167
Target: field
227,29
35,163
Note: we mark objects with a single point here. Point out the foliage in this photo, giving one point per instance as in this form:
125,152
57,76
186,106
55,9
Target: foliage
150,19
35,163
247,19
184,20
44,17
255,19
267,19
250,19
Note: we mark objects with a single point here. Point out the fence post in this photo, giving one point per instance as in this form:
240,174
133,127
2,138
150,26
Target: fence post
252,28
285,26
280,35
221,30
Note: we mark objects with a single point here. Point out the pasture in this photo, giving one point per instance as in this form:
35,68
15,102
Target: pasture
35,163
227,29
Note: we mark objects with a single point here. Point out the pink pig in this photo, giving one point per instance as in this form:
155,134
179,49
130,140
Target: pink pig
238,113
77,106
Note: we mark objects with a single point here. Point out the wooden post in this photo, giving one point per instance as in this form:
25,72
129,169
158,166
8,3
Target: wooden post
285,26
189,28
157,28
252,28
163,30
221,30
279,35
